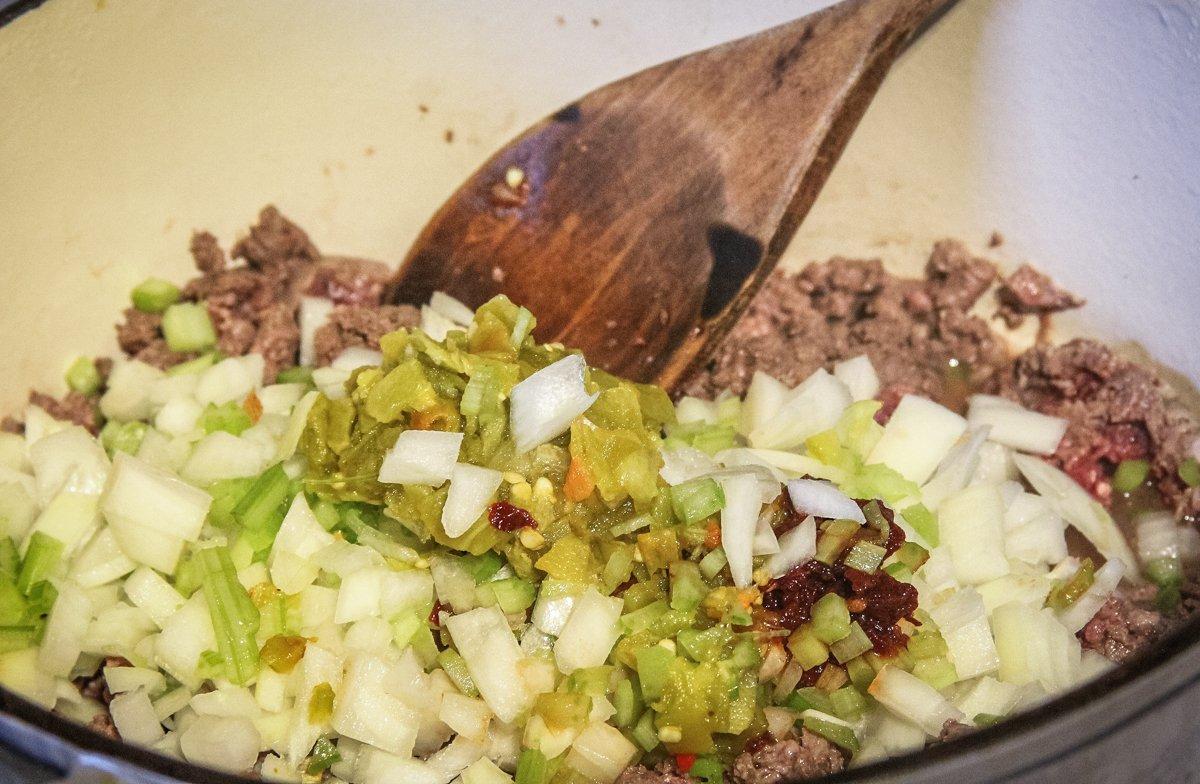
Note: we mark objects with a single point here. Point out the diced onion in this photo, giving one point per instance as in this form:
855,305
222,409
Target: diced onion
590,632
795,547
963,622
421,457
135,719
815,405
821,499
971,527
1016,427
600,753
69,460
142,500
367,710
1158,536
1079,509
765,541
62,642
1083,609
955,471
988,697
128,395
471,490
230,380
910,698
314,312
859,376
222,455
917,438
228,744
356,357
300,537
764,397
435,325
452,308
1035,647
544,404
739,519
684,463
493,658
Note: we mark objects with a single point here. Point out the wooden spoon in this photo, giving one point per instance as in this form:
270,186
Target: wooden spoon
637,222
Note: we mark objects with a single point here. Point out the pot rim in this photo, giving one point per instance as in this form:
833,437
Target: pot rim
1117,688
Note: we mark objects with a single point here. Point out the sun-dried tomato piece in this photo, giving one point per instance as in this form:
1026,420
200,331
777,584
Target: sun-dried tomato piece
505,517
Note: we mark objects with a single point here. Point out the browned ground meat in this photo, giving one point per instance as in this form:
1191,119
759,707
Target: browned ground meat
360,326
207,253
1028,291
72,407
346,280
788,760
953,730
913,330
662,773
1124,626
1118,411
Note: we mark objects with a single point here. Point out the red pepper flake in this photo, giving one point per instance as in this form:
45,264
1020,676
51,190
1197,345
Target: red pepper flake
684,762
505,517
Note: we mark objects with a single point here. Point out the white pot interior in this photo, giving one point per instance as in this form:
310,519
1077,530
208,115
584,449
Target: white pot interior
1068,127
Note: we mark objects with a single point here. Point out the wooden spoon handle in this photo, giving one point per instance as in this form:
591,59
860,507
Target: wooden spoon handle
646,214
791,148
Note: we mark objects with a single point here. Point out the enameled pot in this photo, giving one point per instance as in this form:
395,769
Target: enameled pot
1069,126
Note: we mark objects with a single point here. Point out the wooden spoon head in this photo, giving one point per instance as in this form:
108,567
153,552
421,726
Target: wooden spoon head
637,222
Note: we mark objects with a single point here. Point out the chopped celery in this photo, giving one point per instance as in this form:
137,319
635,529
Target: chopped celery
708,770
324,756
926,644
10,559
848,704
41,599
83,377
235,619
263,507
865,557
484,566
644,734
745,654
923,521
809,698
295,375
16,638
834,539
653,664
808,650
154,295
983,720
899,571
197,365
229,418
861,673
511,595
697,499
533,768
227,494
643,617
628,703
187,328
911,555
712,564
123,437
592,681
1064,594
852,645
835,733
937,671
1130,475
688,588
1189,472
41,558
830,618
455,666
12,604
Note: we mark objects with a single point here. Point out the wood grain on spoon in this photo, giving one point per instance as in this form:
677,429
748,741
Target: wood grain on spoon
637,222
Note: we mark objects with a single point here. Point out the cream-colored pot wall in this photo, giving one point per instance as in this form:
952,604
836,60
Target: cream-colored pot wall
1068,125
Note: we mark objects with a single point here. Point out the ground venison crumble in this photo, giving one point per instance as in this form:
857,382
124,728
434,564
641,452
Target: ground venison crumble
921,335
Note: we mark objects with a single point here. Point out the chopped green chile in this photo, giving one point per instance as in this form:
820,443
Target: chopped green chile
282,653
1189,472
1066,593
324,756
320,704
